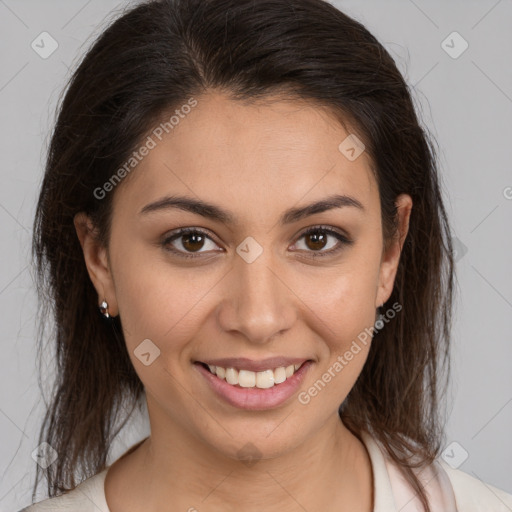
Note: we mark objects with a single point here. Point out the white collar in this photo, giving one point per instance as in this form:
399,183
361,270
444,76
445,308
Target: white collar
382,491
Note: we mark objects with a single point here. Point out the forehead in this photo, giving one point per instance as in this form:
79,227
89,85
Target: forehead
272,153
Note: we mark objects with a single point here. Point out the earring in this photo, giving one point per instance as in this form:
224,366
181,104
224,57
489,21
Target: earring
104,309
378,313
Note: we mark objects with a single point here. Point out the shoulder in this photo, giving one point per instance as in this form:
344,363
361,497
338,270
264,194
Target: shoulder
447,489
88,496
474,495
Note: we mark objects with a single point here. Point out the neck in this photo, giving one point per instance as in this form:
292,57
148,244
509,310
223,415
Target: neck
330,470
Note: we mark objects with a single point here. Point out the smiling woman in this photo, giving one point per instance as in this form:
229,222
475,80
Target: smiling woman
249,233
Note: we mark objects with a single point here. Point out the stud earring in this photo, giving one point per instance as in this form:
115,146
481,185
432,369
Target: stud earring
104,309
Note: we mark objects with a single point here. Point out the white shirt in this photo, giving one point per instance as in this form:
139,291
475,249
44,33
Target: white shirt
449,490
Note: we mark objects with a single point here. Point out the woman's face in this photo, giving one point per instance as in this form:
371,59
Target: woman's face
250,284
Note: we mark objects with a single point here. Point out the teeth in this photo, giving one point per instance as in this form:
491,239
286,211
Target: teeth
265,379
232,376
247,379
279,375
221,372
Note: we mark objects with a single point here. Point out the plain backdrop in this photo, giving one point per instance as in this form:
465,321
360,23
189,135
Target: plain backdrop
464,99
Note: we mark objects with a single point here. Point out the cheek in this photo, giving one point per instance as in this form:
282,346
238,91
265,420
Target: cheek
349,315
159,301
343,300
343,304
343,316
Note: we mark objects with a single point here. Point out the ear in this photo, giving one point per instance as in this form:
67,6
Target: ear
96,261
391,253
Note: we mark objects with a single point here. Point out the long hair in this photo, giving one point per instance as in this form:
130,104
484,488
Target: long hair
149,61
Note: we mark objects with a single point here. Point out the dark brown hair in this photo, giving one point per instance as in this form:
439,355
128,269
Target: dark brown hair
148,62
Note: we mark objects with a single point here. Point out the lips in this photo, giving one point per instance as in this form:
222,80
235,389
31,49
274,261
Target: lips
252,397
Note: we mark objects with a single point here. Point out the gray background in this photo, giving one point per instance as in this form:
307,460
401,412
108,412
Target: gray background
466,102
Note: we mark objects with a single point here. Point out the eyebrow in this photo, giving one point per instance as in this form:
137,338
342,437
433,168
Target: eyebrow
214,212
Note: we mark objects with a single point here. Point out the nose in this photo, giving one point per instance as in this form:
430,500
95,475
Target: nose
258,303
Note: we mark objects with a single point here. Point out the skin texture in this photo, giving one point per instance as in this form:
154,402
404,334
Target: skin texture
255,160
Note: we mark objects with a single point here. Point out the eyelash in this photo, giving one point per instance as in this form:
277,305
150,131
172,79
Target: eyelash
344,241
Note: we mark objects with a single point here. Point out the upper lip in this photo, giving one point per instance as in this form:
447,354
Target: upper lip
242,363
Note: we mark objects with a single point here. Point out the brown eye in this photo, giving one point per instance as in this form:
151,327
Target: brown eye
192,242
317,238
184,242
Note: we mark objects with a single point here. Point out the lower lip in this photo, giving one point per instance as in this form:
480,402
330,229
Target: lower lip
255,399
